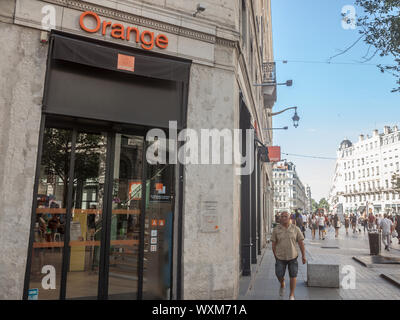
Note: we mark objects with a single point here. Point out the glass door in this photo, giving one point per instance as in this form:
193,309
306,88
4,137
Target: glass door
126,213
103,218
140,256
86,218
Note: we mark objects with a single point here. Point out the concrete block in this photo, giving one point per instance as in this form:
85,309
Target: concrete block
323,275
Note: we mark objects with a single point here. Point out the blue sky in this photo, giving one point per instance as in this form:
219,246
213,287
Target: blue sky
334,101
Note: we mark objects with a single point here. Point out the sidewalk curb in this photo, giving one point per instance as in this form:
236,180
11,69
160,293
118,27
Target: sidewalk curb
254,275
361,262
391,279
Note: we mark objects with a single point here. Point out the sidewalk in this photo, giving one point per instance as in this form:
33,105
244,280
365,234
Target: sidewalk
369,284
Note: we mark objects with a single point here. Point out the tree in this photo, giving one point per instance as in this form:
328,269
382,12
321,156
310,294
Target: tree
314,205
57,152
323,204
381,29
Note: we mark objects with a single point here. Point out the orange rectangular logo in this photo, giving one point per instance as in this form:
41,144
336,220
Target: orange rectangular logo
126,62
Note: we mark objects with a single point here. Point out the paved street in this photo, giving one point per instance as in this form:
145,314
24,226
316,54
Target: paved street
263,285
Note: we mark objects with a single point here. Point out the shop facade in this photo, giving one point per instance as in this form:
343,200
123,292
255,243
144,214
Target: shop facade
85,214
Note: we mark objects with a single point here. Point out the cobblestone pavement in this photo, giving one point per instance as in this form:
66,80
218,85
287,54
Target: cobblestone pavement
263,284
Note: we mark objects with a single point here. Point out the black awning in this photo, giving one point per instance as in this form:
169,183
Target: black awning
83,81
101,54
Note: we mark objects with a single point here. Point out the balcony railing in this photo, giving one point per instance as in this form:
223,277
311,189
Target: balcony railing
269,72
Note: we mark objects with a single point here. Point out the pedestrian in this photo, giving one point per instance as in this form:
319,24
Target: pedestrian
313,225
293,218
353,220
397,227
321,226
299,221
386,226
277,218
371,221
305,218
347,224
358,223
284,238
336,225
378,221
365,223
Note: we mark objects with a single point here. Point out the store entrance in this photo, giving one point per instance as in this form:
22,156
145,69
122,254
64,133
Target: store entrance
103,223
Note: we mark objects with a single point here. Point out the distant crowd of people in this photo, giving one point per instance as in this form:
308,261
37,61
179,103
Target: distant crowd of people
388,224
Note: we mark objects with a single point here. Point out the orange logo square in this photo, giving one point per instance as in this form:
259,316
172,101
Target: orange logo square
159,186
126,62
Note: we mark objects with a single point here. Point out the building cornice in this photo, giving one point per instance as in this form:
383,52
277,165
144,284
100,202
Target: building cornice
145,22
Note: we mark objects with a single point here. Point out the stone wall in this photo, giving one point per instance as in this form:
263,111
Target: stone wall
211,260
21,90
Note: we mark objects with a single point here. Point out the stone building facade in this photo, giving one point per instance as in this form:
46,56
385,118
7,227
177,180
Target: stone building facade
364,170
219,55
289,191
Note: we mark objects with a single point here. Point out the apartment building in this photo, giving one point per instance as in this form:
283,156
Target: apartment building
364,171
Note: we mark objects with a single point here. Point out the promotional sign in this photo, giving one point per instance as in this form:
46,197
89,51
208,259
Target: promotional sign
135,190
274,154
159,192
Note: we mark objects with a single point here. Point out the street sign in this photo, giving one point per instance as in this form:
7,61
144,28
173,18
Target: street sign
274,154
33,294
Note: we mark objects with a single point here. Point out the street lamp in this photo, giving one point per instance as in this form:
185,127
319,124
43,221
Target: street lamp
295,118
288,83
283,128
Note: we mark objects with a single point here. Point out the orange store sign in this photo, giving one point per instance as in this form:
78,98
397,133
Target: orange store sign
118,31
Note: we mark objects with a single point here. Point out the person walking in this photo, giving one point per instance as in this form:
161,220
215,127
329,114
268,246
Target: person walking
371,221
378,221
397,226
336,224
386,226
365,223
284,238
346,224
321,226
299,221
313,225
293,218
353,220
305,219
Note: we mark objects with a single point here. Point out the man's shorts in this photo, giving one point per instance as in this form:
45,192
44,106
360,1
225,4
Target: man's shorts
280,268
321,228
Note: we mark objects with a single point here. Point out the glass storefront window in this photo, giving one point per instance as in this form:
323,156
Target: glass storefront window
86,216
117,212
158,231
125,217
48,245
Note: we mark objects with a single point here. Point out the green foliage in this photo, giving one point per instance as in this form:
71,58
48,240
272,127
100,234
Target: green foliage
323,204
381,29
314,205
57,152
